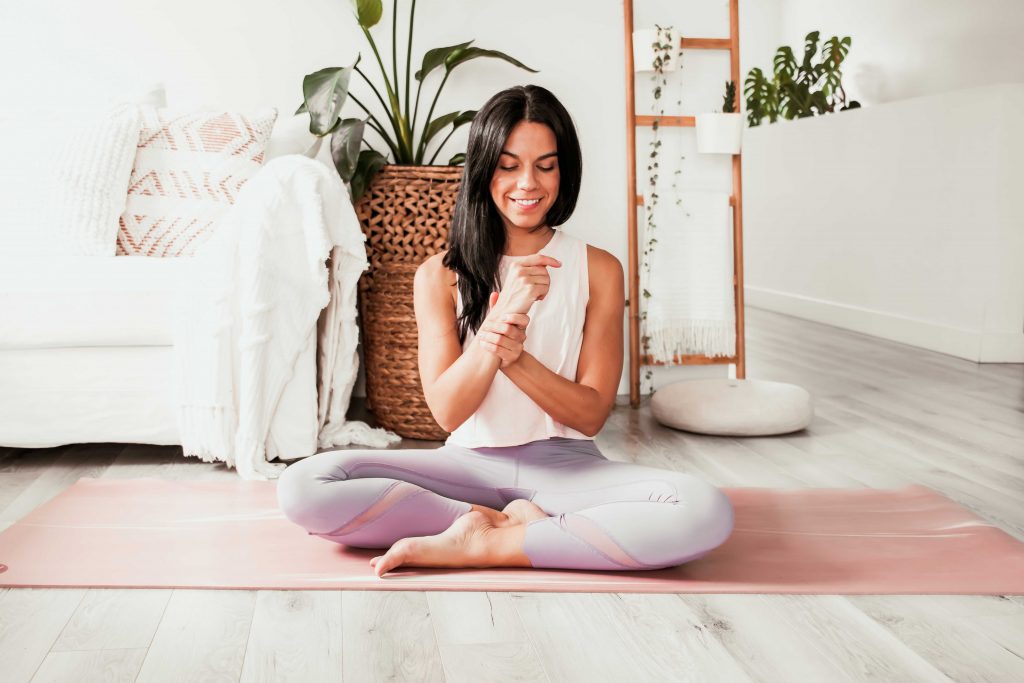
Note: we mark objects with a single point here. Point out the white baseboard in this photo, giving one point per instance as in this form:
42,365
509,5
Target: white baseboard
972,345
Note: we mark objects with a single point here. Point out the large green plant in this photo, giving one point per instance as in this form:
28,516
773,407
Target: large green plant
791,92
325,91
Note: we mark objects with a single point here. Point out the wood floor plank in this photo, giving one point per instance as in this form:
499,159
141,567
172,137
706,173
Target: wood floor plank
164,462
389,635
31,620
953,646
90,665
612,637
20,469
114,619
72,463
921,400
1000,470
492,663
295,636
857,643
749,628
777,332
984,501
203,636
474,617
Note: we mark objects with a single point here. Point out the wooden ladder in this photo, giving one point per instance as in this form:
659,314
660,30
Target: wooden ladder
732,44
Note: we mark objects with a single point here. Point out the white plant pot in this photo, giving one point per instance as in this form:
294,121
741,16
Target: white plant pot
644,52
719,133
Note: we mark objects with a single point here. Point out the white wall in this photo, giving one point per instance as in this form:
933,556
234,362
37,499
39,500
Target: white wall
908,48
248,54
902,220
897,219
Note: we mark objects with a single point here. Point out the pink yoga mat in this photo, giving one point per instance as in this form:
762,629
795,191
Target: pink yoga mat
155,533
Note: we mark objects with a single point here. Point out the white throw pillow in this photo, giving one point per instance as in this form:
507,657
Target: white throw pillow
30,178
189,168
91,182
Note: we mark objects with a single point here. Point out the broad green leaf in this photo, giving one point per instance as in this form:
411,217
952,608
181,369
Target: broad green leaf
437,124
345,142
369,163
459,158
436,57
465,117
785,62
368,12
810,47
464,55
325,92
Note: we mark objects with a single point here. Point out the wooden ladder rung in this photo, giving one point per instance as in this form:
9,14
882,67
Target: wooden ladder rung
640,200
680,121
696,359
706,43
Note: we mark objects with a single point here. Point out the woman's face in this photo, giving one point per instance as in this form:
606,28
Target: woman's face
527,170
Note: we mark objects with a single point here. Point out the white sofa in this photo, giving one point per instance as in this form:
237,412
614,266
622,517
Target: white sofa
86,350
86,355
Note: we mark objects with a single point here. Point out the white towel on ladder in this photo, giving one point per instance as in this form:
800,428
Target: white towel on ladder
691,307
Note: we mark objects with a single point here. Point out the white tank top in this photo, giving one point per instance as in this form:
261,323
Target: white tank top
554,336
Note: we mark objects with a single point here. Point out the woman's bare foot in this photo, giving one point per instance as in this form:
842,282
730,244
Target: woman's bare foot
472,540
523,511
496,518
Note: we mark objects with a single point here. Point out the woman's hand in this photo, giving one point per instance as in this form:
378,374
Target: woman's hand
527,281
503,333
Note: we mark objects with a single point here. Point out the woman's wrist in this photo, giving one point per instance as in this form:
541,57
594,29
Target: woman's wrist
487,359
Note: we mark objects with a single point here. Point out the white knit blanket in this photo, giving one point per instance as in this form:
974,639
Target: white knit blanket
247,307
691,307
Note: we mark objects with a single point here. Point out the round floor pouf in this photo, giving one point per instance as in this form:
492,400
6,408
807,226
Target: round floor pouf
733,407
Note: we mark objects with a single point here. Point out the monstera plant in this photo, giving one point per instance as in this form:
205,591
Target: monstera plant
800,89
325,91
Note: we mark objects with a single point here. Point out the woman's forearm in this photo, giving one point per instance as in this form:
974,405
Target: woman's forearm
459,390
571,403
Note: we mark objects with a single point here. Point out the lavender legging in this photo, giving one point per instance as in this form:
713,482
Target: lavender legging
605,514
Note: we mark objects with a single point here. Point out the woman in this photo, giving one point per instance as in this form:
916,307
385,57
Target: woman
520,355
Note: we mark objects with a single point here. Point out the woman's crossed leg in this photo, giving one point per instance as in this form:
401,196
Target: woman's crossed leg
584,511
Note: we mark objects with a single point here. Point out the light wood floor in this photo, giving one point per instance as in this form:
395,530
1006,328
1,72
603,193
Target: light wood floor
886,415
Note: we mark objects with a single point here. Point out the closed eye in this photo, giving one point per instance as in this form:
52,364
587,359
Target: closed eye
512,168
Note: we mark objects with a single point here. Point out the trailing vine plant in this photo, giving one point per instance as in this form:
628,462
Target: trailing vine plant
663,53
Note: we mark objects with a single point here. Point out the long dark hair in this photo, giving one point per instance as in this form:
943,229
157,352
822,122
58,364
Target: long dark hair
476,238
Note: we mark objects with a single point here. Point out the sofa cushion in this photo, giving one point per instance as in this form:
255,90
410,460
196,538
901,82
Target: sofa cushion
189,168
733,407
88,301
92,168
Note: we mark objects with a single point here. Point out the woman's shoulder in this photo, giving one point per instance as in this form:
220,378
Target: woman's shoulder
602,263
435,274
604,272
434,268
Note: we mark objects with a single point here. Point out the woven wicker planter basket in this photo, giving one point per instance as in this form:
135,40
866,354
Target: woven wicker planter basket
405,214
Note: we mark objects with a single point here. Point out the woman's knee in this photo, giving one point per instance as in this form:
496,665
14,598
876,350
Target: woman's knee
296,493
708,511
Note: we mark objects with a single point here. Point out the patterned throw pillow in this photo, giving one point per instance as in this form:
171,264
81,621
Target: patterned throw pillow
189,168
